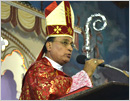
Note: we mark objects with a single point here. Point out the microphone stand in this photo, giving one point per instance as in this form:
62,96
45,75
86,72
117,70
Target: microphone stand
122,71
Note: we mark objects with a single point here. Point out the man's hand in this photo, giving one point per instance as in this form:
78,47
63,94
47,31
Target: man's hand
90,66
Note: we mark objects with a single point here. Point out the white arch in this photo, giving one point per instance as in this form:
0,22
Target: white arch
14,63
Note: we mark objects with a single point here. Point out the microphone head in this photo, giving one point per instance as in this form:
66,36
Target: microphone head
81,59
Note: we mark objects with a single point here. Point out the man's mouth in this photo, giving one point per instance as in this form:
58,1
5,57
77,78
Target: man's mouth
69,56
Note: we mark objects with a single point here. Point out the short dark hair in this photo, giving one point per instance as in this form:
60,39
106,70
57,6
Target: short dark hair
50,39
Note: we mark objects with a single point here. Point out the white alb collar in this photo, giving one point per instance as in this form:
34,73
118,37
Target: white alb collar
55,64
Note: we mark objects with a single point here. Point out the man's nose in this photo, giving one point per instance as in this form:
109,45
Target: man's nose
70,48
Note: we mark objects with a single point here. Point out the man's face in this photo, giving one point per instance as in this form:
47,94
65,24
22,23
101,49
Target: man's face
61,50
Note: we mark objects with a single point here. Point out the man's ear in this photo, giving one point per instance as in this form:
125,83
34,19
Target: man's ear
48,46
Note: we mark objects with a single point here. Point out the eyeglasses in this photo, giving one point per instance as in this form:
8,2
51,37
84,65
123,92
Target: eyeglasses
66,43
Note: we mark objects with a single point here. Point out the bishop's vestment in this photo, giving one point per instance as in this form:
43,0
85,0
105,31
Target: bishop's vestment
43,82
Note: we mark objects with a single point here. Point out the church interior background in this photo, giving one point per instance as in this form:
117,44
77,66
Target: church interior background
23,36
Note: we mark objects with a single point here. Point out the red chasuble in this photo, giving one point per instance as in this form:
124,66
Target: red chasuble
43,82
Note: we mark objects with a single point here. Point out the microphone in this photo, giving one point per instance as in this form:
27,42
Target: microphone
82,58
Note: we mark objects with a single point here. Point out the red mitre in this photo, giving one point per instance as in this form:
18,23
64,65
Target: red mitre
59,21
